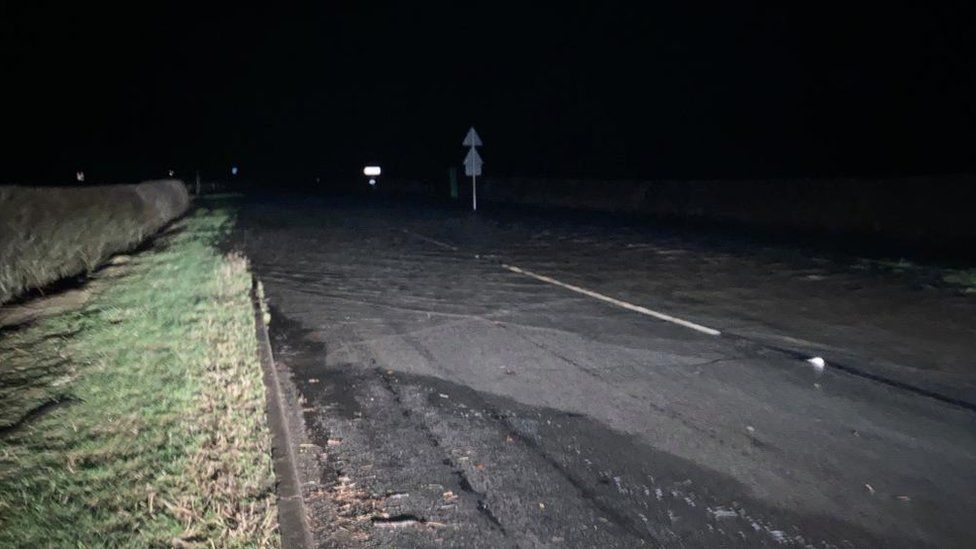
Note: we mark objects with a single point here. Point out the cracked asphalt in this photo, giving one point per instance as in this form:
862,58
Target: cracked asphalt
447,401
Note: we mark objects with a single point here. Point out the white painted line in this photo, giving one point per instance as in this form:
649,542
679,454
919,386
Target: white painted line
617,302
431,240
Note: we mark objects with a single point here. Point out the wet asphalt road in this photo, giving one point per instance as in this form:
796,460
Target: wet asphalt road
449,401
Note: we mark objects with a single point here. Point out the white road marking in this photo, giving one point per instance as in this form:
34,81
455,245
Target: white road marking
433,241
614,301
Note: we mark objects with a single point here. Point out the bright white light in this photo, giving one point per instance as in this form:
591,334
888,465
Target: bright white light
818,363
371,171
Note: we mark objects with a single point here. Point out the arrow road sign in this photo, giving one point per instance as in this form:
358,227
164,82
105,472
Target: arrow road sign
472,139
472,163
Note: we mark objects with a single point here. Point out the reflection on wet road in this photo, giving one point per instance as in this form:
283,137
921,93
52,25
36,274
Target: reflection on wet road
448,400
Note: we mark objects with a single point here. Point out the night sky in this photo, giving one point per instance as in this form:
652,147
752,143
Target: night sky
604,90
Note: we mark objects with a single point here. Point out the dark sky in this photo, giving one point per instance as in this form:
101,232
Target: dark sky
596,89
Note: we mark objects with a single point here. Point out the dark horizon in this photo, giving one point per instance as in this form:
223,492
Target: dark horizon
663,91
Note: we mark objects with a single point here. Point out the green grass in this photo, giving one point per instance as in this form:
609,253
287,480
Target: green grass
47,234
138,420
962,280
966,279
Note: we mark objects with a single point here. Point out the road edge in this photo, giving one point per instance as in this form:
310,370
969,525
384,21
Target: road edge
293,525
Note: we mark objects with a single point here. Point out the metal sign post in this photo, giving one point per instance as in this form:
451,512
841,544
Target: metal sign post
472,167
473,163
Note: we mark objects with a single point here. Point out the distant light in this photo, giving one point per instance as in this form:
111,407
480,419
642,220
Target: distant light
372,182
233,170
371,171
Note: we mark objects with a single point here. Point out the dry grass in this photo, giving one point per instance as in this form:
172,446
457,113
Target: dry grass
138,419
47,234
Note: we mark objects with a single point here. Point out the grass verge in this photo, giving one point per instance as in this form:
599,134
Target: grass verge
964,279
961,280
138,419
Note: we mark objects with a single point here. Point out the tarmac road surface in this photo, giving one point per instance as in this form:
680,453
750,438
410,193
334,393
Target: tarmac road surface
450,398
